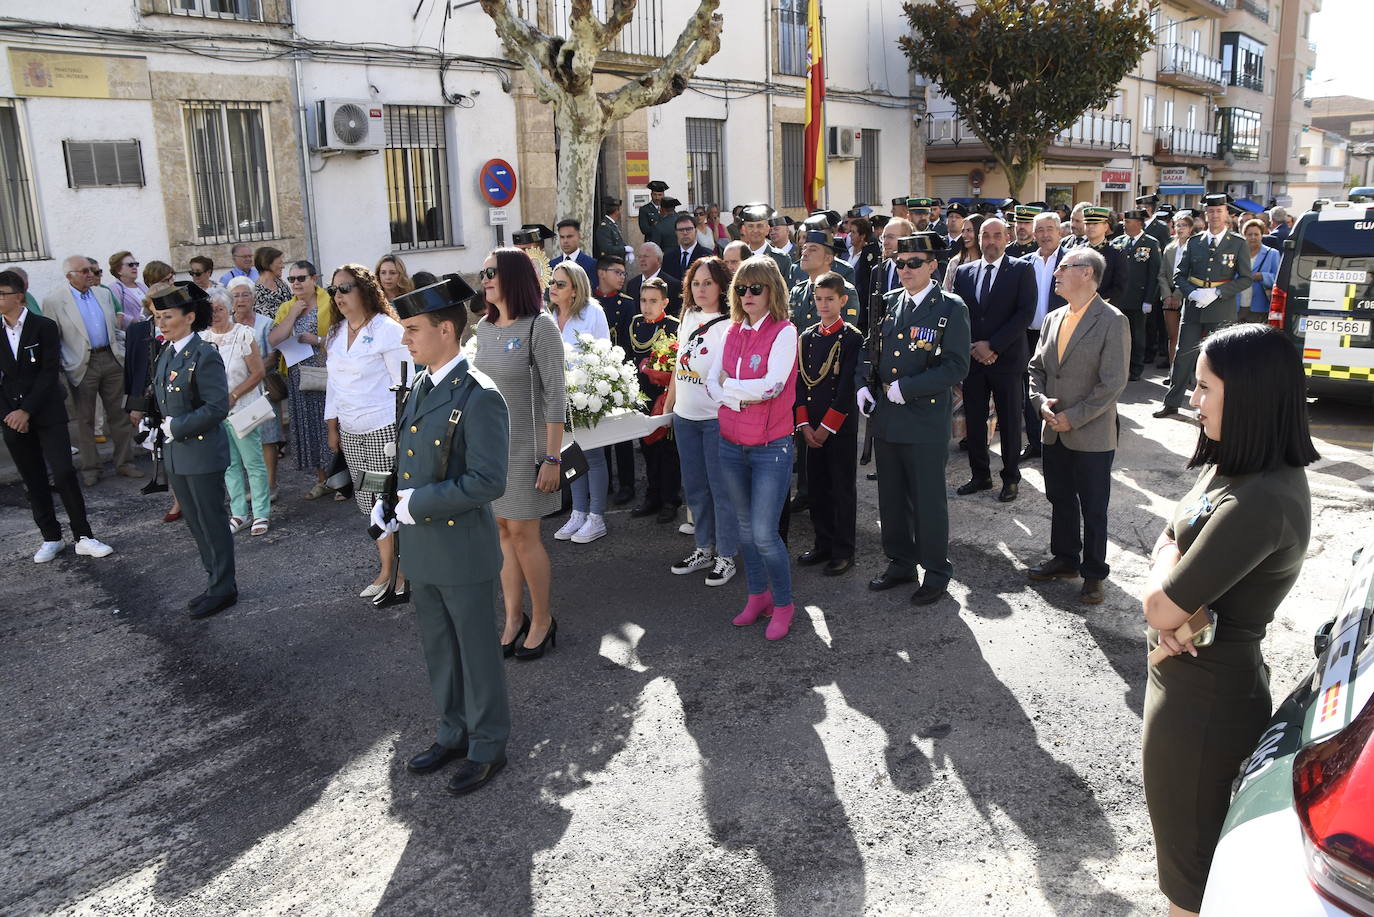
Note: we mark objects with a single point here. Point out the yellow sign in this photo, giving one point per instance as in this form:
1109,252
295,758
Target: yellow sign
78,76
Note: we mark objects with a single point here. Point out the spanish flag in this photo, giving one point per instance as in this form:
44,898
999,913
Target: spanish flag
814,163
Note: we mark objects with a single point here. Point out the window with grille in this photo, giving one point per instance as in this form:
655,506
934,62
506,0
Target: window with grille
103,163
866,171
250,10
705,170
792,37
20,237
793,165
228,149
417,177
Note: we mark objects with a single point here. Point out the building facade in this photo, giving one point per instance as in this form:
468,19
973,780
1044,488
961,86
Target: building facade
341,130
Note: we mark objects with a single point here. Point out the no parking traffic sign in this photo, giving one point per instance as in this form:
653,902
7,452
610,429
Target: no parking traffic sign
497,180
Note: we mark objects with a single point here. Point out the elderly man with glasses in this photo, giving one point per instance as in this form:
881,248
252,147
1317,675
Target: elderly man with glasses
93,361
1078,371
242,256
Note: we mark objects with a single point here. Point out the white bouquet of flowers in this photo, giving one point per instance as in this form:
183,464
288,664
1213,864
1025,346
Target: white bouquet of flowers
600,382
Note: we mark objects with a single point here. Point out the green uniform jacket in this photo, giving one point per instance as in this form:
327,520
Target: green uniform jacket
839,266
193,390
607,240
454,539
1142,272
802,304
927,413
648,215
1229,265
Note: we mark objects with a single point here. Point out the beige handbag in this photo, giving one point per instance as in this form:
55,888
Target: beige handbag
247,416
314,378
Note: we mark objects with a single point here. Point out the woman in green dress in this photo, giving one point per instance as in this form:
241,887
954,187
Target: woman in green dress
1235,545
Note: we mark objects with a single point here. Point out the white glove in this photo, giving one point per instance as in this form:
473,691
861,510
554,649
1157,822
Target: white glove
1203,298
865,401
167,427
629,255
403,506
894,394
380,521
147,440
1146,308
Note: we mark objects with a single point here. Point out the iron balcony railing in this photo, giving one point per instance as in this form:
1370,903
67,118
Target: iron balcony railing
1259,10
1181,141
642,37
1092,131
1184,61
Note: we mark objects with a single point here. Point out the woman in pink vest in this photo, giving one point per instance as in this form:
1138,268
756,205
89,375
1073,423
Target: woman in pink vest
751,377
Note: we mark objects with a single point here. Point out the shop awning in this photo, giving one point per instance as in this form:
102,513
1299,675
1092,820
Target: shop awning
1249,206
1182,189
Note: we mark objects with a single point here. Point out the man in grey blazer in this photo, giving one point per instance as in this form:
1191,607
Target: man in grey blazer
93,362
1078,372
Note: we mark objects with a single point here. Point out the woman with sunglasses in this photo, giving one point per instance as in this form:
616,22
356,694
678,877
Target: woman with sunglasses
365,355
306,317
128,292
753,375
570,300
520,349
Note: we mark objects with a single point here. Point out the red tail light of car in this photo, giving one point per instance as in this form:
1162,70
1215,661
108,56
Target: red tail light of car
1333,792
1278,306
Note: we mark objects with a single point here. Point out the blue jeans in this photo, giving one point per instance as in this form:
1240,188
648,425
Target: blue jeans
595,480
703,483
758,478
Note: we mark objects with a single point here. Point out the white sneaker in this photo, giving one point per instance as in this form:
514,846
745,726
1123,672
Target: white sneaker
591,530
569,529
89,547
688,528
722,573
699,559
48,551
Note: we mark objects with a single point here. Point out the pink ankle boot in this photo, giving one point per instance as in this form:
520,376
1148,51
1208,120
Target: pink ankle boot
781,623
757,606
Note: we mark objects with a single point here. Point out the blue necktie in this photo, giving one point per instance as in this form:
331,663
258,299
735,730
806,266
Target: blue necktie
987,285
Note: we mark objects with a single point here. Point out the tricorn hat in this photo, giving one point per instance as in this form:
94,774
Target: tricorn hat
1220,199
610,203
1141,215
532,234
922,242
671,203
956,209
756,213
452,291
659,186
820,237
899,201
183,295
830,218
1147,199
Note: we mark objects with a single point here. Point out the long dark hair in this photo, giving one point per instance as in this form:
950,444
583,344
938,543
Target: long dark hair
519,284
374,300
976,221
1264,408
720,273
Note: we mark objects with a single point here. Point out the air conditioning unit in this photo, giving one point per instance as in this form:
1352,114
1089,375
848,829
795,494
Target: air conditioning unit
844,142
348,125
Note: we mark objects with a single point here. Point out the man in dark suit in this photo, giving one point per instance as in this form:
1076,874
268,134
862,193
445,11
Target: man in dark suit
570,248
678,259
35,422
1283,226
651,266
1000,294
1140,286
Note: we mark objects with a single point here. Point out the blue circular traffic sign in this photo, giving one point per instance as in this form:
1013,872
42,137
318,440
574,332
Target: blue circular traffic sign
497,180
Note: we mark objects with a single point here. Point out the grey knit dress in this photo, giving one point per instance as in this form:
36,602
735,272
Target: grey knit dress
532,394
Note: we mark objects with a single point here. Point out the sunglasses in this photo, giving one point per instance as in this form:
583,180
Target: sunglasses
83,270
129,264
487,273
301,278
197,273
558,284
338,288
755,288
909,264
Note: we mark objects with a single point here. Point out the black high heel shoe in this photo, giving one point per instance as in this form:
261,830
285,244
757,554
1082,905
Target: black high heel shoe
534,652
390,596
508,649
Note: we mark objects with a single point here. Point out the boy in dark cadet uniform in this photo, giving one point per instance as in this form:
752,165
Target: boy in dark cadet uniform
830,353
620,310
652,326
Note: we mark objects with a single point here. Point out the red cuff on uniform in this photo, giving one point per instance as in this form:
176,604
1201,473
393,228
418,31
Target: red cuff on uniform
802,416
833,420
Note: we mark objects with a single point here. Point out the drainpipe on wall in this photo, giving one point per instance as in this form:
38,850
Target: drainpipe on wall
303,129
768,95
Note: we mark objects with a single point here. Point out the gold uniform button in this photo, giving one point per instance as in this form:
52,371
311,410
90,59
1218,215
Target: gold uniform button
410,452
406,475
414,429
429,518
436,442
896,353
200,436
450,522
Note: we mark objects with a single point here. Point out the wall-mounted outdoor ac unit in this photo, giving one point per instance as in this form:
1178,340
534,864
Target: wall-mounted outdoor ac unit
844,142
349,125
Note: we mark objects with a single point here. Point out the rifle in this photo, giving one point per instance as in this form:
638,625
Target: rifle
384,485
874,342
153,415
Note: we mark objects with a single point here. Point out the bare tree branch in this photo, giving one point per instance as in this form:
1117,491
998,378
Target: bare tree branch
619,16
528,46
699,41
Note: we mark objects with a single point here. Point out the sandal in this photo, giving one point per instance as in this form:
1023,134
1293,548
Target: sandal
339,497
260,527
236,524
319,490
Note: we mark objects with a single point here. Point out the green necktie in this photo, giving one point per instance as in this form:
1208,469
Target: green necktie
424,388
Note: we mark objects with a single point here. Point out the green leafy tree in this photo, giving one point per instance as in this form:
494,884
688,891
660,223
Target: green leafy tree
1021,71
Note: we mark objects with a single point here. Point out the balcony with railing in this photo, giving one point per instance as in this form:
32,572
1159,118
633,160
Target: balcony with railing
1204,7
1181,144
1257,9
1093,136
641,38
1181,66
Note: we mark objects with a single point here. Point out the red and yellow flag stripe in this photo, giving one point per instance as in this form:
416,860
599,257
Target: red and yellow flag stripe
814,163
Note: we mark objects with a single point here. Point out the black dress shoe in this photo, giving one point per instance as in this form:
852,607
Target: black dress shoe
471,775
973,487
811,558
508,649
435,757
666,513
929,594
213,604
524,652
888,579
197,600
838,565
1009,492
1054,568
1031,452
1091,593
800,503
872,476
1133,377
1165,411
645,509
624,495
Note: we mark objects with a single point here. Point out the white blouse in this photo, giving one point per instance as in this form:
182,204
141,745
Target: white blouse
358,388
723,384
592,321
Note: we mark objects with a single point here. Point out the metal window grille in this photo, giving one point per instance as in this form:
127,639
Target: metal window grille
417,177
793,165
642,36
1240,132
103,163
705,170
866,171
20,235
231,178
792,37
250,10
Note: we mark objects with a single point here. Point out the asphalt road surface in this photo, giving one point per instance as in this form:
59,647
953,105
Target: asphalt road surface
980,756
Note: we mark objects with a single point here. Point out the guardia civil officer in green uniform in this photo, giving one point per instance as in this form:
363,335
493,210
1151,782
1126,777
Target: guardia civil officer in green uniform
606,238
652,212
450,464
1140,288
818,257
918,350
1024,217
826,221
192,394
919,211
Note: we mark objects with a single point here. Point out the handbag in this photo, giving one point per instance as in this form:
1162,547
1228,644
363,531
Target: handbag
573,460
247,416
313,378
275,386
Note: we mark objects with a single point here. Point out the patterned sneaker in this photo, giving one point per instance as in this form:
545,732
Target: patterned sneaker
722,573
699,559
569,529
591,530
